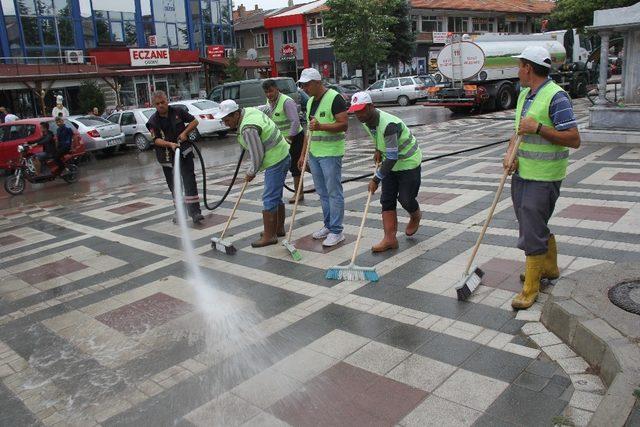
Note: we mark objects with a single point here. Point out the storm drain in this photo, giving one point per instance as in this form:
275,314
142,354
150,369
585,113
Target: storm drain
626,295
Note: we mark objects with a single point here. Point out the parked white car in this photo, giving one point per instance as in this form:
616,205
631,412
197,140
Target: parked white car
204,110
403,90
134,125
98,133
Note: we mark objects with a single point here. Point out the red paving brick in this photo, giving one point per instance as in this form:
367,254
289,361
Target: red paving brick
503,274
132,207
211,220
345,395
144,314
10,239
626,176
593,213
50,271
308,243
435,198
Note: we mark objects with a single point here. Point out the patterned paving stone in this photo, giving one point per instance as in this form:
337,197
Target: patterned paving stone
308,243
145,314
123,335
593,213
50,270
131,207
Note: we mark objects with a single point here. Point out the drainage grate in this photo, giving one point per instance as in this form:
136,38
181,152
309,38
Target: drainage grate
626,295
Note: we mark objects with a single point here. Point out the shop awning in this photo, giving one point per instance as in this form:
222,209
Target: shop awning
242,62
124,72
44,72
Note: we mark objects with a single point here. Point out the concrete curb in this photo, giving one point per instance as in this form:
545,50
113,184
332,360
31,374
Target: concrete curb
580,313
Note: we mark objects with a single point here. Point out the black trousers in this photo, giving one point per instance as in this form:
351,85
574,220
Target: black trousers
295,150
191,199
403,187
534,202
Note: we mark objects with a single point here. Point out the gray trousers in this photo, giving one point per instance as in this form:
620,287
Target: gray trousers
534,202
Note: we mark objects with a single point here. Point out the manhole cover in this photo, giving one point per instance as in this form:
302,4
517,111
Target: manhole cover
626,295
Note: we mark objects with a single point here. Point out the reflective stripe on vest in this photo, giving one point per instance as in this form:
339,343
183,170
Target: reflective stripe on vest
325,144
541,155
276,148
279,116
539,159
409,153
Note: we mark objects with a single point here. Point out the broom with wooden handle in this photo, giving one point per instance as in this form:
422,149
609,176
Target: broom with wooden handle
470,281
219,243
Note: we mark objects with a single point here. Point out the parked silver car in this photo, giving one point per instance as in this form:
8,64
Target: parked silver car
403,90
133,124
98,133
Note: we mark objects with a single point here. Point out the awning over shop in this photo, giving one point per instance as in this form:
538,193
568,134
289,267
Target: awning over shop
126,72
44,72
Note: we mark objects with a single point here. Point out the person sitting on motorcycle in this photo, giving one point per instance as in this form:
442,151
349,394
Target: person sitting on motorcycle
48,147
64,136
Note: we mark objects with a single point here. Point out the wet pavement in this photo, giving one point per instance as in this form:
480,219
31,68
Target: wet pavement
129,166
101,324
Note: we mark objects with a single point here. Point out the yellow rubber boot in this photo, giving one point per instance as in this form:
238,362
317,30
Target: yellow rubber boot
531,286
550,269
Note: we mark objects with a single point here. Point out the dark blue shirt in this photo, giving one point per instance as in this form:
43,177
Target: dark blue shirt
560,109
65,136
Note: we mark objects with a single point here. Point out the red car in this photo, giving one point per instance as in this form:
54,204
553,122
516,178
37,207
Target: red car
28,131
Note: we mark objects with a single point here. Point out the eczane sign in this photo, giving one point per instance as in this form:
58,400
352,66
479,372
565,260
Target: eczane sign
149,57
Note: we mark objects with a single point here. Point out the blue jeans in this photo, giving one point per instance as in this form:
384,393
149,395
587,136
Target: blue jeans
274,184
327,173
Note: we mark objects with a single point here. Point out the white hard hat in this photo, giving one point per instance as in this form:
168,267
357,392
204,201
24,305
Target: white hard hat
227,107
537,55
359,100
309,74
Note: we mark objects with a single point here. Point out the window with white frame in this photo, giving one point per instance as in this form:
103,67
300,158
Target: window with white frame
289,36
432,23
483,25
458,24
316,27
262,40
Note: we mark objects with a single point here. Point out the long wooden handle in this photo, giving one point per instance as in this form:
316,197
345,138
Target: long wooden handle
244,186
512,156
364,218
301,184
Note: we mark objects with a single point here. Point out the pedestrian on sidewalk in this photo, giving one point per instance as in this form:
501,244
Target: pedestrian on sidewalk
9,117
545,119
328,122
168,131
399,154
269,152
284,113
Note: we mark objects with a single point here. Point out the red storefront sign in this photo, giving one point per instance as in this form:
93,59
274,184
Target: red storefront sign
215,51
147,57
288,52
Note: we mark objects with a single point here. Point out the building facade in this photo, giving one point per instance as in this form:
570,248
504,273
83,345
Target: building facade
110,34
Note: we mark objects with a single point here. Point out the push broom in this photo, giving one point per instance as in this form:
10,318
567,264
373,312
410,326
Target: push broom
295,254
219,243
353,271
470,281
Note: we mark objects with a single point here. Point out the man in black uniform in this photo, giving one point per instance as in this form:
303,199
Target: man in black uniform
168,130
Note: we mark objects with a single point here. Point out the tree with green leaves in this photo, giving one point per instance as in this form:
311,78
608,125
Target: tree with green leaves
233,72
579,13
361,32
90,96
403,45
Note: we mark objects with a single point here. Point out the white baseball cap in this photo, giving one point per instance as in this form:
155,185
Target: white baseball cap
309,74
227,107
359,100
59,99
537,55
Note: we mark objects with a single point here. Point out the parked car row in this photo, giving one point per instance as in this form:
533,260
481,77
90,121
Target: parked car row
403,90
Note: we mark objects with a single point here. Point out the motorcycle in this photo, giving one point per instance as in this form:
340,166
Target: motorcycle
25,170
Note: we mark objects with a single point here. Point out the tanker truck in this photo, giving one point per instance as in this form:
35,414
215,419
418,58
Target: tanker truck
494,82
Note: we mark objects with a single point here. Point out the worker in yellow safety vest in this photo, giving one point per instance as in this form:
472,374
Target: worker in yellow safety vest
547,124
